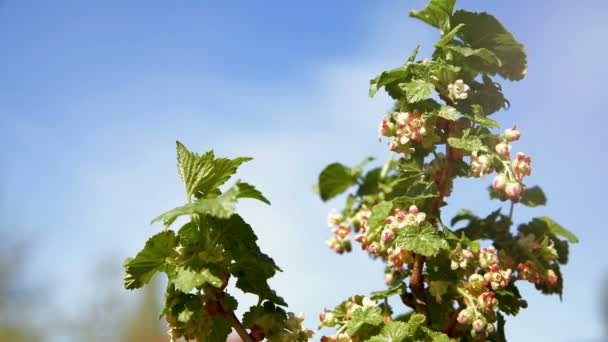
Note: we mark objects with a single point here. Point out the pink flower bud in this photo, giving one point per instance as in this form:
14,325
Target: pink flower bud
413,209
373,248
514,190
479,325
551,277
512,134
499,182
387,235
387,128
464,317
503,149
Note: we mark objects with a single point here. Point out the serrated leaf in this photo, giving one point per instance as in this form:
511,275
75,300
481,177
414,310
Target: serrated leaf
417,90
379,214
187,279
449,36
482,59
509,300
222,206
483,30
421,239
558,229
193,168
251,267
437,13
533,197
394,290
479,117
364,316
470,143
448,113
334,180
388,77
249,191
151,259
392,332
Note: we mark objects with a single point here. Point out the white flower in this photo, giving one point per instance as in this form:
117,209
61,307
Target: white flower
458,90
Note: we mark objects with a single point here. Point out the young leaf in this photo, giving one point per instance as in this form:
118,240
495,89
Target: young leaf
483,30
222,206
334,180
392,332
470,143
193,168
417,90
186,279
559,230
533,197
364,316
449,36
421,239
388,77
448,113
151,259
437,13
379,214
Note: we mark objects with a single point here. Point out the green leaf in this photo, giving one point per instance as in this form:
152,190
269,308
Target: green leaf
334,180
448,113
556,229
479,117
249,191
449,36
204,173
364,316
193,168
388,77
509,300
251,267
379,214
186,279
481,59
533,197
417,90
470,143
151,259
392,332
421,239
394,290
437,13
222,206
483,30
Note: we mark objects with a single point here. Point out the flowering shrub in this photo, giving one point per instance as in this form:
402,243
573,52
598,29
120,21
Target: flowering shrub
457,281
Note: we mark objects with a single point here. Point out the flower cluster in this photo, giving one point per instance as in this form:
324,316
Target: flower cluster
543,252
342,227
330,318
480,165
406,130
478,293
296,328
508,183
382,242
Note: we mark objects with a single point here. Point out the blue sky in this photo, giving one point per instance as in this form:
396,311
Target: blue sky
93,97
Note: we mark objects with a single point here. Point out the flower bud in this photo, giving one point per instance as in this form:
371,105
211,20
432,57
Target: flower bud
503,149
465,317
479,325
551,277
514,191
387,235
387,128
512,134
499,182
